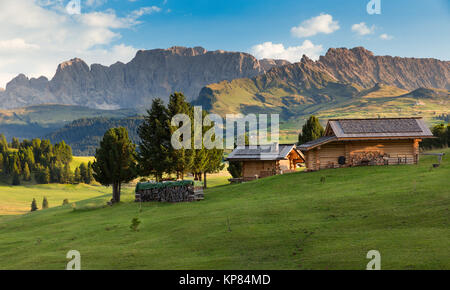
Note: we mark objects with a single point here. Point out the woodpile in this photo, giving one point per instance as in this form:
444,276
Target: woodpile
178,192
368,158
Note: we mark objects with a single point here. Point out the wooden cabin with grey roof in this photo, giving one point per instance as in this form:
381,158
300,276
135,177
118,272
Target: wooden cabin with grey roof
357,142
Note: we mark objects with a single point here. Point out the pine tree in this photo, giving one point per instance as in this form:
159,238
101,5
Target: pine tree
16,177
180,159
83,172
34,205
44,203
3,144
115,160
77,175
154,148
15,143
66,175
26,173
89,174
46,176
312,130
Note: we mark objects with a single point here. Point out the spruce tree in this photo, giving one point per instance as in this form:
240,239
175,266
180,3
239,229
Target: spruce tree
89,174
83,172
77,175
312,130
46,176
26,172
154,148
180,159
16,177
34,205
115,160
44,203
15,143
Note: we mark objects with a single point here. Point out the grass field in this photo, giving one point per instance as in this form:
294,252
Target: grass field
292,221
17,199
77,160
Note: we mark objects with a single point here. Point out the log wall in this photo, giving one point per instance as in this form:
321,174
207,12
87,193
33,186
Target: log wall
368,152
252,168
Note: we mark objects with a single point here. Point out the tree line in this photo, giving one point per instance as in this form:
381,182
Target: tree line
117,160
442,140
47,163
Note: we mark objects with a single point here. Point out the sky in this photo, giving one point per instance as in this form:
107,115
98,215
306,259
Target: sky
37,35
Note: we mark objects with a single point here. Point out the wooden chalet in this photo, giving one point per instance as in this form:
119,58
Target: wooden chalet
356,142
266,160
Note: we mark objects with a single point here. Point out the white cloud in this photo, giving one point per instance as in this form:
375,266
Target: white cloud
17,44
35,36
323,23
385,36
362,28
291,53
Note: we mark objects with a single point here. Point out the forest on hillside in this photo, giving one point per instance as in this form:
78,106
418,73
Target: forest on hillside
84,135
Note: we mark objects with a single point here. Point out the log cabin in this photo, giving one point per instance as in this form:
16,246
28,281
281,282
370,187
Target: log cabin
357,142
266,160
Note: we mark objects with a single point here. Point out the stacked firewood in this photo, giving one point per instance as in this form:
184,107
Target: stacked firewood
368,158
167,194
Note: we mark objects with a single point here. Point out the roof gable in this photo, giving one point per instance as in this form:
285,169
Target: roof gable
263,152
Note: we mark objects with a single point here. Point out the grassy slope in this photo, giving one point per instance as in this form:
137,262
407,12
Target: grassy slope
385,101
77,160
17,199
291,221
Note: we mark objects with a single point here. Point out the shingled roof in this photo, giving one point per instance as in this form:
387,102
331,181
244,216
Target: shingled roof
262,152
373,128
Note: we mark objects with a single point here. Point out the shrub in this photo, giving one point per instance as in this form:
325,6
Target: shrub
65,201
34,205
44,203
135,224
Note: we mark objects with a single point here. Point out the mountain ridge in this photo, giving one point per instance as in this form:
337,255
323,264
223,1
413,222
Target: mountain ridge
150,74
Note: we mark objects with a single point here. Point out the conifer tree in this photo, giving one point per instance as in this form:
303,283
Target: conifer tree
180,159
312,130
26,173
77,175
115,160
154,148
44,203
83,172
16,177
34,205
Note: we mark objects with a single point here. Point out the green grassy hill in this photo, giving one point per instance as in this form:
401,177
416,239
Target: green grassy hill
292,221
295,101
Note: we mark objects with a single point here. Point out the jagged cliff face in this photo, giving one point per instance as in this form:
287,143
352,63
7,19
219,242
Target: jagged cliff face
360,66
152,73
341,76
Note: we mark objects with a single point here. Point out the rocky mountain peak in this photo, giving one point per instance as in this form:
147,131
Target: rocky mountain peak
151,73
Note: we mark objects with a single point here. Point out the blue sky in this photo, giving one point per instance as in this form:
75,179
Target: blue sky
418,28
37,35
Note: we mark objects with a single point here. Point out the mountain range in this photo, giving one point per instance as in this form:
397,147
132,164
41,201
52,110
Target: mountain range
150,74
341,77
342,83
